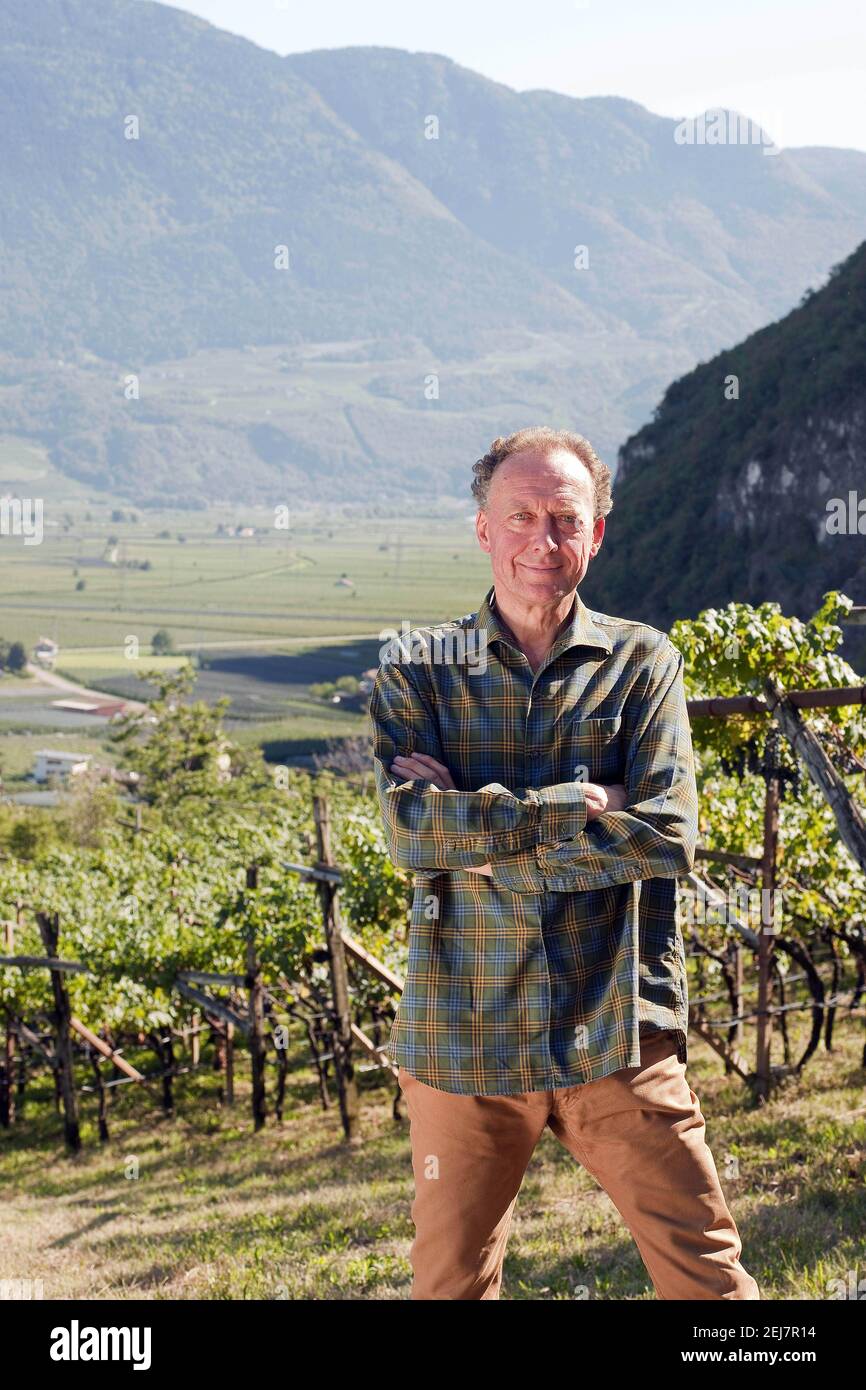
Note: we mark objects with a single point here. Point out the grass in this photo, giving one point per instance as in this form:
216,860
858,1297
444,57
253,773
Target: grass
18,751
88,667
217,1212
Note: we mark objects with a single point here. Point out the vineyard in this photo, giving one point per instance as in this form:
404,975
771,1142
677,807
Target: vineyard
245,919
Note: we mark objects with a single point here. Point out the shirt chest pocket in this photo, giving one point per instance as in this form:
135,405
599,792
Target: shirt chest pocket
593,750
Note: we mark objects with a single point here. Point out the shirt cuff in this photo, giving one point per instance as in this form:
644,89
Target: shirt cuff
518,873
563,812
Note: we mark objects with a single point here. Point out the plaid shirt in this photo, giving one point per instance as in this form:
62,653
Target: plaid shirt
545,974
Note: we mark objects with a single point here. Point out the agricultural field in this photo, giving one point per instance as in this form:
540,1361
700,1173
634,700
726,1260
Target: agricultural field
261,617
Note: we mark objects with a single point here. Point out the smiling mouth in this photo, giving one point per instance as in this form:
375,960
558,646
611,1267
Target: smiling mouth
542,569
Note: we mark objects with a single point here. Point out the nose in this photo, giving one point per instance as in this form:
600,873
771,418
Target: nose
544,537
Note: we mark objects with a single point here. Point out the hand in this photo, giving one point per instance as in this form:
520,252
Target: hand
422,765
600,799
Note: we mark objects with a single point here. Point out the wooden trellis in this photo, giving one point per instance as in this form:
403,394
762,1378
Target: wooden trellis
784,707
344,1032
312,1007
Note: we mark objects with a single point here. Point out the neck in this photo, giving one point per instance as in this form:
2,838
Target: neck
535,627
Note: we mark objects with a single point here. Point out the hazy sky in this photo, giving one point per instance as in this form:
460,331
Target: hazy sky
797,68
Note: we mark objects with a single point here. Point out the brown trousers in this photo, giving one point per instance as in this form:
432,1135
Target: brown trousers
639,1132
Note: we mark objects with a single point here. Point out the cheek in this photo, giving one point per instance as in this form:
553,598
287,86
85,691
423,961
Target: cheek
506,547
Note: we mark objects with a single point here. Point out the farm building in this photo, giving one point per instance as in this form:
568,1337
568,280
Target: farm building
45,651
50,763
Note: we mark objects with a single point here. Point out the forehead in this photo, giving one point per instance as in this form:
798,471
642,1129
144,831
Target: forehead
535,474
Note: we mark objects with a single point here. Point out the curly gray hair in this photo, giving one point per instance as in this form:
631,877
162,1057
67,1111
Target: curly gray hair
543,436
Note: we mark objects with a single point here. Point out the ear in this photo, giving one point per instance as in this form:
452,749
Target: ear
481,530
597,536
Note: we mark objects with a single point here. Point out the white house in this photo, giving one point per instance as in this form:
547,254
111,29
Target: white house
46,651
50,763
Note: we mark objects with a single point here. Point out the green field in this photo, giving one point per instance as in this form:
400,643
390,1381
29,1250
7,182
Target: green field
262,617
210,589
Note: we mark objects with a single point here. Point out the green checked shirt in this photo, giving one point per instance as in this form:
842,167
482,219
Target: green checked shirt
545,974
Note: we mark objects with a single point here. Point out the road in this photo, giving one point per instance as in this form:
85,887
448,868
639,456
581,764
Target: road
76,692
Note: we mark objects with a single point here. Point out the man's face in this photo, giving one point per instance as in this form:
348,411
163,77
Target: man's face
539,527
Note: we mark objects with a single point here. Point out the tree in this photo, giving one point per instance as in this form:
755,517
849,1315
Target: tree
179,747
90,805
30,837
16,657
162,642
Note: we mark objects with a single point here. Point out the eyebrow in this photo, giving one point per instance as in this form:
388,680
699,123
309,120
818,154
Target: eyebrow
522,506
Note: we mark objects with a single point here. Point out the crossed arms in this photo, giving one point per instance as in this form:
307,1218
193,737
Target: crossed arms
551,837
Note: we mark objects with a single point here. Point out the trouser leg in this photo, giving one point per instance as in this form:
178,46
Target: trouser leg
641,1134
469,1155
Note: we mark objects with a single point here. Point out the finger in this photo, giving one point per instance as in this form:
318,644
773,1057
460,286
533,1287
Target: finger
408,766
426,764
425,758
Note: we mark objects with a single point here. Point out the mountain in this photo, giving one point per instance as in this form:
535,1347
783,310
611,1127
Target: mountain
153,344
157,246
683,238
721,499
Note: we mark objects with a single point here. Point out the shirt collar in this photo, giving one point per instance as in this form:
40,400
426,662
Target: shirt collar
580,632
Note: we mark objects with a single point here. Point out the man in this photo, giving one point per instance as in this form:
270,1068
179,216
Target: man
534,769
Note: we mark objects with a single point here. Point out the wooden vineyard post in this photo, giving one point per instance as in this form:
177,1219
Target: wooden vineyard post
806,745
738,995
229,1056
195,1038
766,936
49,929
7,1074
347,1086
7,1070
257,1014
